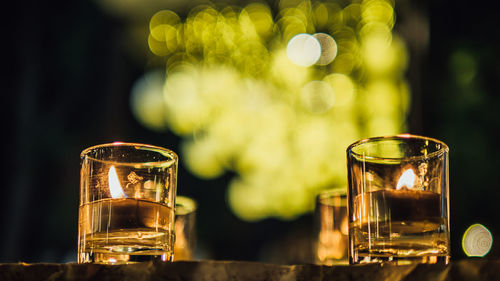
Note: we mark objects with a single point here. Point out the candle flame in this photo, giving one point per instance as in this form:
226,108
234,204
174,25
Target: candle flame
114,184
407,179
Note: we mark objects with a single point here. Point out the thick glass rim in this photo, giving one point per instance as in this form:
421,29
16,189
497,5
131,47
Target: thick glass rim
444,148
169,154
327,197
325,193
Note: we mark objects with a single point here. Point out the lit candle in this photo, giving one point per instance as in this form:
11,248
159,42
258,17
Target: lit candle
398,195
121,212
126,208
408,207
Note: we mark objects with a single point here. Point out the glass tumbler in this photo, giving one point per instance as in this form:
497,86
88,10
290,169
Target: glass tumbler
331,238
185,228
127,197
398,200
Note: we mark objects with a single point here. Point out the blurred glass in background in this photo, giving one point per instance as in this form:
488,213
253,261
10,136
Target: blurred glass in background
185,228
331,228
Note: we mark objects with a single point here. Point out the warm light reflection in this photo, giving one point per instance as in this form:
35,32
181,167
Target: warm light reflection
276,95
115,189
407,179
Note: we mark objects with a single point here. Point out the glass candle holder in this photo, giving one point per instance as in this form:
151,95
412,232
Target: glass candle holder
330,247
185,228
127,197
398,200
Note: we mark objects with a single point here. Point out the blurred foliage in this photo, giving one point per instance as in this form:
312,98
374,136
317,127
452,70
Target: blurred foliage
275,97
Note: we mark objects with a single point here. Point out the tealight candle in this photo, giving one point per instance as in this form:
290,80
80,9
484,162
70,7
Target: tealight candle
398,192
126,204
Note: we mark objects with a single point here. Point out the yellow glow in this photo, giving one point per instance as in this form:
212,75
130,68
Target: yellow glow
317,96
268,150
146,101
261,18
352,14
343,88
115,189
287,73
344,63
383,57
377,11
181,96
246,201
377,53
377,32
283,4
157,47
291,26
164,17
276,96
321,15
201,157
383,99
382,126
167,34
247,27
295,13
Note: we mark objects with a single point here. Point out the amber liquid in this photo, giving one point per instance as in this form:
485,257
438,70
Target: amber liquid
395,224
125,230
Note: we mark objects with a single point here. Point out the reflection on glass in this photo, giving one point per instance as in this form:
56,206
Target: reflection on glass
332,227
185,228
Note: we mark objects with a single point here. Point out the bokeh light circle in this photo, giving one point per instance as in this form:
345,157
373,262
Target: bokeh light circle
317,96
343,88
300,94
328,48
146,101
477,241
303,49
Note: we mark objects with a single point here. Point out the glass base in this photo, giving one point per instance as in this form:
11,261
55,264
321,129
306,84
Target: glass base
333,262
120,258
400,260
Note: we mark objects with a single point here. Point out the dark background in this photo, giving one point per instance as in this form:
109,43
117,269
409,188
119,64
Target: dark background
68,70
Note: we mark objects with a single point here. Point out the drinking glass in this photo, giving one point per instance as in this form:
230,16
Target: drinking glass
398,200
185,228
330,247
127,195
